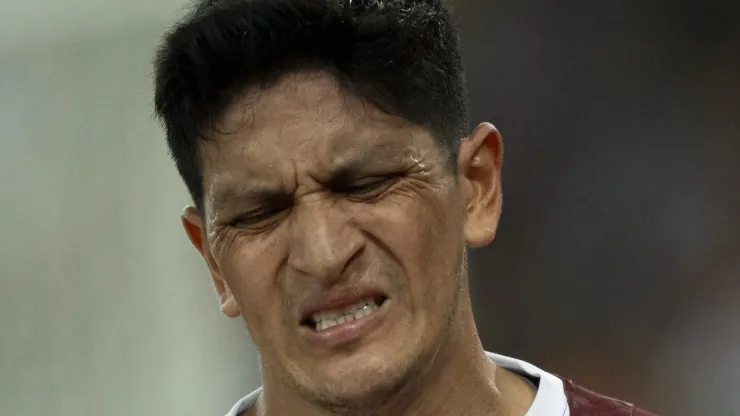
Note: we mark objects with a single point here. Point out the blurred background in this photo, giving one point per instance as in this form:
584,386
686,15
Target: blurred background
617,263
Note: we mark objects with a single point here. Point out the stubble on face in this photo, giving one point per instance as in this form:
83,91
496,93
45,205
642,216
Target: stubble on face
410,236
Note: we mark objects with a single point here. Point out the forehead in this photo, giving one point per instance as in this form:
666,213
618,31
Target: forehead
306,123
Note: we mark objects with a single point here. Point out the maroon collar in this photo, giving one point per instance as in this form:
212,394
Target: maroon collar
583,402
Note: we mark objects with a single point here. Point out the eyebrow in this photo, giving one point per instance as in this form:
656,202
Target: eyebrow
372,155
230,197
341,173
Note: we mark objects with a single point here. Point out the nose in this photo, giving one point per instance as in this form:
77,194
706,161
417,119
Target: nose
324,241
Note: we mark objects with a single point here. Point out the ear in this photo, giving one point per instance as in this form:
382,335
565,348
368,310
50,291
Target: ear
192,221
479,173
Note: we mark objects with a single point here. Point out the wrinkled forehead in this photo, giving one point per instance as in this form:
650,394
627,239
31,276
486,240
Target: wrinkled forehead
308,122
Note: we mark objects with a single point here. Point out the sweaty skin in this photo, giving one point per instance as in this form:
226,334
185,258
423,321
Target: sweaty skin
311,193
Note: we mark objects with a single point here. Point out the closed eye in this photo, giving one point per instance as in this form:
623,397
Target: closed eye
259,221
368,188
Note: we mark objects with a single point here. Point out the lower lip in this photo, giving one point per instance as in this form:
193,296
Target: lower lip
348,332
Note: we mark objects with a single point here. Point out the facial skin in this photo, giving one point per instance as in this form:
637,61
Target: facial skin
312,193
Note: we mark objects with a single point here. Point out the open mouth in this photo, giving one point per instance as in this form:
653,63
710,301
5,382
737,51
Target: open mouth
323,320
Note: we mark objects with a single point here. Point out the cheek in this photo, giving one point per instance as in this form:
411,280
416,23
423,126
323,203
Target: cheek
424,235
250,269
436,256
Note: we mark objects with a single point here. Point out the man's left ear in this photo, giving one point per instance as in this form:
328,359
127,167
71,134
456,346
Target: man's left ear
479,174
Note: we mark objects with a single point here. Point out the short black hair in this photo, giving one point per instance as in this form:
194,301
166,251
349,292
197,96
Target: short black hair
399,55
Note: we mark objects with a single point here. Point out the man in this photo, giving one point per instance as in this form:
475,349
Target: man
336,190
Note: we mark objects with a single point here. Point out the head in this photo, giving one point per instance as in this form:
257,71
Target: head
335,184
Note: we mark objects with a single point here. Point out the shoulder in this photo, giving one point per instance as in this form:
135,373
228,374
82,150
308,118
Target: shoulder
583,402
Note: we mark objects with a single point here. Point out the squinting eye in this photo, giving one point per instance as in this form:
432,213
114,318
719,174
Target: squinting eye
260,221
369,188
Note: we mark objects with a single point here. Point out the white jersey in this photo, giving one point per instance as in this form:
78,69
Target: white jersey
549,401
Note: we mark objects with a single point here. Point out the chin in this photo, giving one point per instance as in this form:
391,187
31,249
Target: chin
361,380
361,392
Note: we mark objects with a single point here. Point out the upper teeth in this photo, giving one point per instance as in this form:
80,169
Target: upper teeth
352,312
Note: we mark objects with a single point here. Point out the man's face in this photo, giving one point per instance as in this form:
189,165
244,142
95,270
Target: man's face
336,232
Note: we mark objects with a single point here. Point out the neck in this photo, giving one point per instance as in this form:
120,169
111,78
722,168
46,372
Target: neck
463,381
460,381
460,371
